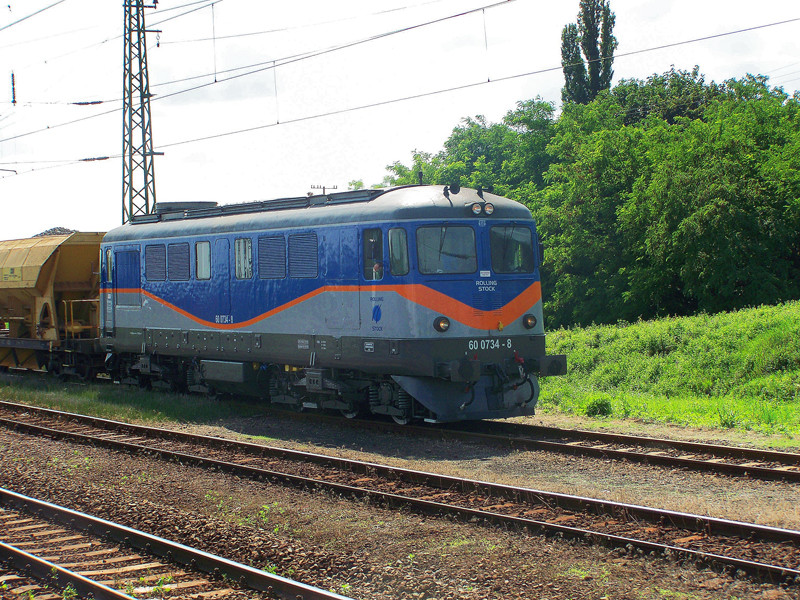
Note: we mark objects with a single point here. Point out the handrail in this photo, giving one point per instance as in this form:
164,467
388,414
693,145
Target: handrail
70,328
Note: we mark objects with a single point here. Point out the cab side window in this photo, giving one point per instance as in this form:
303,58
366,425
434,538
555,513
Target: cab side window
398,252
202,267
109,265
373,254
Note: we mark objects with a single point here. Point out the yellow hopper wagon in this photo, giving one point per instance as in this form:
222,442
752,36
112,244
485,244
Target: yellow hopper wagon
49,304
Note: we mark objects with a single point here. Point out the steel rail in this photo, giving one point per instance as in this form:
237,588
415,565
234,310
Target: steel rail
695,464
686,521
600,507
789,471
458,433
741,452
172,551
45,570
526,437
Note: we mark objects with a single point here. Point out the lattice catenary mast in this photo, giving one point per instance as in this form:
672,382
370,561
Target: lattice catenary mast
138,177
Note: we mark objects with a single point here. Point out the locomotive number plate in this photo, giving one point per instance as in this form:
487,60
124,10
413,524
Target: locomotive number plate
489,344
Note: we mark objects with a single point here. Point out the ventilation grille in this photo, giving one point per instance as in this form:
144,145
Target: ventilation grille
272,257
303,255
155,262
178,262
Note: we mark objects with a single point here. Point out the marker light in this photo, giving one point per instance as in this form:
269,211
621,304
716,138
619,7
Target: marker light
476,209
488,208
529,321
441,324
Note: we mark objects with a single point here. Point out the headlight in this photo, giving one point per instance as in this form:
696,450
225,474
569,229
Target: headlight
529,321
441,324
476,209
488,208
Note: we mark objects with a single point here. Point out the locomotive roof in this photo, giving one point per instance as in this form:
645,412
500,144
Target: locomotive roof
362,206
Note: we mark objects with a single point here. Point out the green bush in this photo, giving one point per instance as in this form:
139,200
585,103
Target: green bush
599,407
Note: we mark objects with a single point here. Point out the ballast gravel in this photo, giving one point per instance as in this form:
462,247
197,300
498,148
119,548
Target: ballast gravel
775,504
348,546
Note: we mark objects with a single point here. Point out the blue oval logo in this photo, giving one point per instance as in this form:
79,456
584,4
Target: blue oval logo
376,313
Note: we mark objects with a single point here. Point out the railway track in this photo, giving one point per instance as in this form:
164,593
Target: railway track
56,549
767,553
733,461
17,584
728,460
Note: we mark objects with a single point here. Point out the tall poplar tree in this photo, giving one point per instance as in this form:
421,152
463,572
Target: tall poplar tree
587,52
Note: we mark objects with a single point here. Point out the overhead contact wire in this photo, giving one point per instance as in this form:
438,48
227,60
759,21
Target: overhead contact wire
465,86
288,61
41,10
405,98
306,26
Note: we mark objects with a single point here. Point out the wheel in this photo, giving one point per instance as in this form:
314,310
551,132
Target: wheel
404,420
350,414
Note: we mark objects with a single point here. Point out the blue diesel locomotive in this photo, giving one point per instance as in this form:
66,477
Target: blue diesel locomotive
417,302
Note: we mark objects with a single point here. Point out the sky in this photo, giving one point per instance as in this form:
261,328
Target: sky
302,124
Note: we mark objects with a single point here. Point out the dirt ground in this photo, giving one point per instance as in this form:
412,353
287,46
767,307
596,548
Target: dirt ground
364,551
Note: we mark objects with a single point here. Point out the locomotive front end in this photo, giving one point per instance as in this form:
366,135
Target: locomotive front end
488,374
478,315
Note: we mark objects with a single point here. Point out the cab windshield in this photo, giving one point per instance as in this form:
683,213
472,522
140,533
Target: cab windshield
512,249
446,249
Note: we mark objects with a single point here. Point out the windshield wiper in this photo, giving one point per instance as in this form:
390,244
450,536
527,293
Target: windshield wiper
507,241
442,235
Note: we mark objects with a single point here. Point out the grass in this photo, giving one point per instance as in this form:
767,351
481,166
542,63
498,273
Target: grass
123,403
738,370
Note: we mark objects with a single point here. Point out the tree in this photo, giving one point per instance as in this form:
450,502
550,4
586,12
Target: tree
356,184
713,213
690,206
674,94
511,156
592,39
